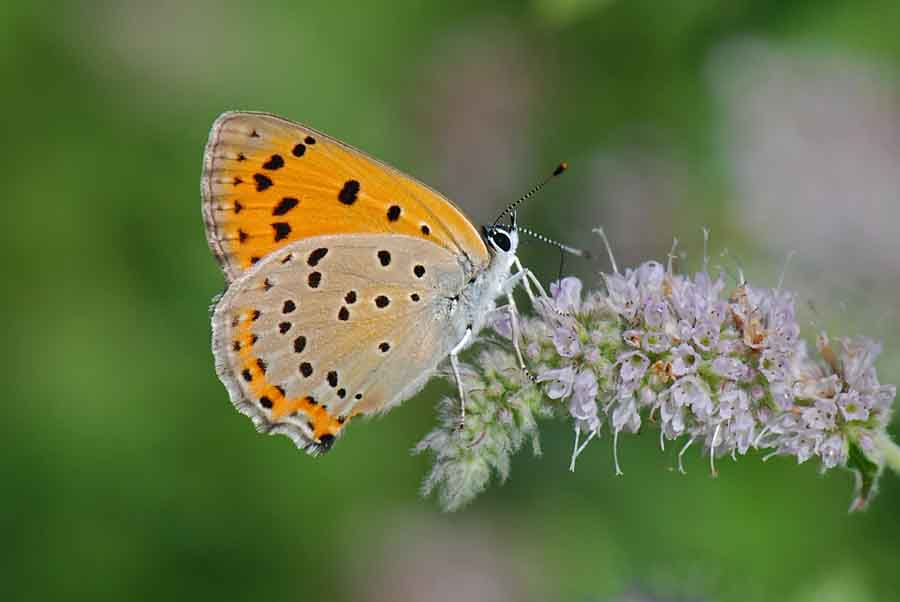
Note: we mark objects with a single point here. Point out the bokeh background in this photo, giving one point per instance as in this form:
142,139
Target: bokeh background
127,475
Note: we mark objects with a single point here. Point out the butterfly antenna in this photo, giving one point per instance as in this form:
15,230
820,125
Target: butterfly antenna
562,262
554,243
512,206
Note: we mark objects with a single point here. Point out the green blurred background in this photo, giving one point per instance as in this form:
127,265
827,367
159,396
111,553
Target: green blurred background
128,476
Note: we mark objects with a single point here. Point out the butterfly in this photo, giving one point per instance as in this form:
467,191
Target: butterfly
348,282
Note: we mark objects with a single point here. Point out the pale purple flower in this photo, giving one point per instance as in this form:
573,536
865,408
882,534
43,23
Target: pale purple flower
706,293
584,389
852,406
646,397
718,311
821,388
882,399
690,391
706,336
623,294
802,445
833,451
625,415
583,404
743,430
773,365
502,324
592,355
655,342
650,276
565,339
559,382
782,395
685,360
732,400
729,346
656,313
633,366
682,298
817,419
729,367
672,416
725,370
566,295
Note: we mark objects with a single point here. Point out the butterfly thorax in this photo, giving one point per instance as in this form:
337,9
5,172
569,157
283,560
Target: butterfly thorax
479,296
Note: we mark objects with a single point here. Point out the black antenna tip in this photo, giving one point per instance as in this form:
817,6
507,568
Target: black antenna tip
560,168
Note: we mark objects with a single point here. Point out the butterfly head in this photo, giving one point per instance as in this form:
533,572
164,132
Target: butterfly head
502,239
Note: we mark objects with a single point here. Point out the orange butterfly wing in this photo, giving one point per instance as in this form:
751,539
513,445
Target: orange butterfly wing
268,182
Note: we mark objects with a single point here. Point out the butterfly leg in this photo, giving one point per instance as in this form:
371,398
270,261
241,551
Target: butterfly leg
454,363
514,320
526,277
530,278
520,275
513,312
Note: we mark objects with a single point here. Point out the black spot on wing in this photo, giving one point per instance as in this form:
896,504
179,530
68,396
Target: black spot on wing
316,256
349,192
275,162
262,181
282,230
285,205
299,344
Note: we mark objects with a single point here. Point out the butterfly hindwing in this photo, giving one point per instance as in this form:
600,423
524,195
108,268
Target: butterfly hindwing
268,182
330,327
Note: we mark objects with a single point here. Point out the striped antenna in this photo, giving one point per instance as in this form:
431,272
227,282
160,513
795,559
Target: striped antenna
512,207
558,245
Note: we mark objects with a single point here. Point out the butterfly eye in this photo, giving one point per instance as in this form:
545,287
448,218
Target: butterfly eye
501,240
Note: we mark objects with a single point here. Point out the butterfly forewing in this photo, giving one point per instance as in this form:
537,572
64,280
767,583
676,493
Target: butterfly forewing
268,182
330,327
